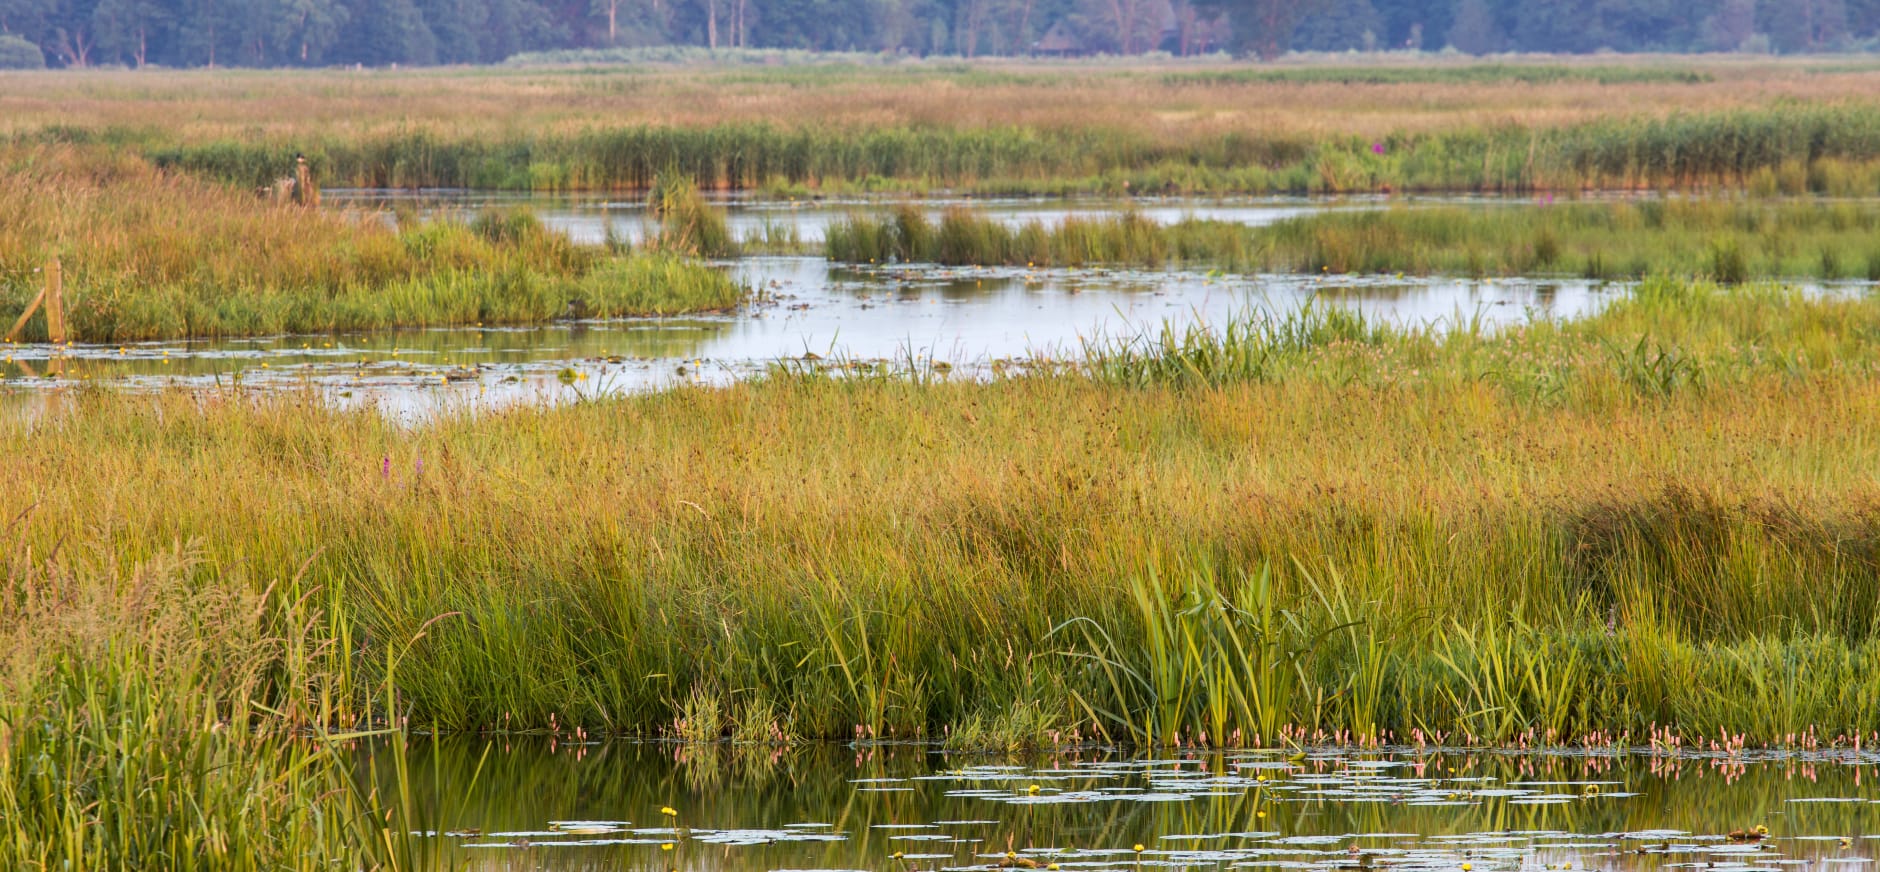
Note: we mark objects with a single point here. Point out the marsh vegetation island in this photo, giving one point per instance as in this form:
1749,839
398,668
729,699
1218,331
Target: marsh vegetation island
905,435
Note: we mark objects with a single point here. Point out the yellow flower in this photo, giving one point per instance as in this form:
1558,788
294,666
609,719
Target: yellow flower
669,811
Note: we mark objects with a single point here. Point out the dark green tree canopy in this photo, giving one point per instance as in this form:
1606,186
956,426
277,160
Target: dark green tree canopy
195,33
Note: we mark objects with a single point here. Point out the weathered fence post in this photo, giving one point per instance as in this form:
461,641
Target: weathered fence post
52,295
55,302
304,192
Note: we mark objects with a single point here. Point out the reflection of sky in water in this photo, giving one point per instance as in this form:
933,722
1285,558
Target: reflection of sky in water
598,806
969,318
588,219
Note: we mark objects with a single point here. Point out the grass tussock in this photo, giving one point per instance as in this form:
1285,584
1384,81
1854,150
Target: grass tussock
687,224
1729,241
1297,528
150,254
160,717
963,237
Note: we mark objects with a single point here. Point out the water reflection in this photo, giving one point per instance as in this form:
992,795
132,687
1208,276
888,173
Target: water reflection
975,320
597,218
599,806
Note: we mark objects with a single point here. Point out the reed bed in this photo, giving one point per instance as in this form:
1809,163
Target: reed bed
1469,73
998,128
1797,148
1650,524
151,254
157,718
1728,240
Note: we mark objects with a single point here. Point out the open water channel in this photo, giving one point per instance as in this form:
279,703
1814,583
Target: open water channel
972,320
905,807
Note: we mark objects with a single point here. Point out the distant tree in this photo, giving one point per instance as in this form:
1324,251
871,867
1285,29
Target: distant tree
1263,27
610,9
20,53
1571,26
26,19
1651,25
383,32
455,28
1804,25
1120,26
516,26
1863,18
127,29
1404,21
73,35
302,30
204,31
1340,25
1729,27
1475,30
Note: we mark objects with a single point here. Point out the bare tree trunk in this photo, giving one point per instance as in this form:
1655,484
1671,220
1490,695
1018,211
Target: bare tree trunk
613,14
711,23
76,48
975,22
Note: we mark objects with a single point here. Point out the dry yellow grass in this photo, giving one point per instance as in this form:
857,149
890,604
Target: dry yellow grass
208,105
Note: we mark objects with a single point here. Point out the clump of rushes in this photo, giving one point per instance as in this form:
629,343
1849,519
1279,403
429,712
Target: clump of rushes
688,225
149,254
1729,241
656,283
156,713
963,236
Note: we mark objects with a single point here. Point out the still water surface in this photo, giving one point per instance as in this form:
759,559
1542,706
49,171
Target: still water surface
974,320
593,218
599,807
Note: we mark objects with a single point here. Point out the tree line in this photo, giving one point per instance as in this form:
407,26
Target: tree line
268,33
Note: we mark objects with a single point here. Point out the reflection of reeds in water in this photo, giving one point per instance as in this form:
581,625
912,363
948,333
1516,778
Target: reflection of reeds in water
1704,798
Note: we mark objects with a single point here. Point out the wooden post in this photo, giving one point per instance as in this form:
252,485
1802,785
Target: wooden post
55,302
304,194
30,309
52,294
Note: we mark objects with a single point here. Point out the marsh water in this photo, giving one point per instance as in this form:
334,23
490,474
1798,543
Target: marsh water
970,321
898,807
597,218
